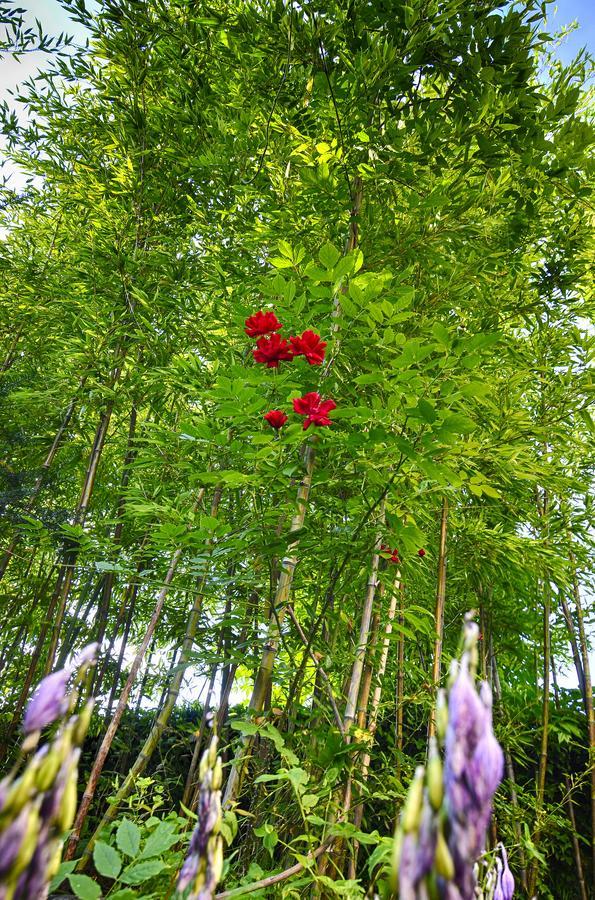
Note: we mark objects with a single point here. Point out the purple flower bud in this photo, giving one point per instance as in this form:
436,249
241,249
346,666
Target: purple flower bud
33,882
486,768
188,871
426,844
498,892
408,867
507,880
87,655
11,839
48,703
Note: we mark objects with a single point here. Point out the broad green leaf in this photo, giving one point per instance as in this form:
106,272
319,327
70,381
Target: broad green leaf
128,837
329,256
64,869
84,887
107,860
161,839
142,871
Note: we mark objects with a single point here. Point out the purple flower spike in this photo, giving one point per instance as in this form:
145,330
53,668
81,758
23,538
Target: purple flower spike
426,844
11,839
407,867
48,703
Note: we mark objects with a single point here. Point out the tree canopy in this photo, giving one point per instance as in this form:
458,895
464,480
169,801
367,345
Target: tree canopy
412,183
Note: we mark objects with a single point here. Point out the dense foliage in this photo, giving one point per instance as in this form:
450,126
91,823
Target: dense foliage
411,184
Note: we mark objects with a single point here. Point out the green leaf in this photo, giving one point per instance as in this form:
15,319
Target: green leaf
279,262
84,887
458,424
128,837
64,869
124,894
441,334
142,871
107,860
329,256
164,837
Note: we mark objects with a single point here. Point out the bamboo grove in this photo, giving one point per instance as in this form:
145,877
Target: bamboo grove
411,183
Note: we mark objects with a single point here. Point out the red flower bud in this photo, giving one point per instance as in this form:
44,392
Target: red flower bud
276,418
272,350
421,552
310,346
262,323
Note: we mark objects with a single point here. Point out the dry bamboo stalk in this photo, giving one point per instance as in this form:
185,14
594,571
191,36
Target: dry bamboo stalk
372,718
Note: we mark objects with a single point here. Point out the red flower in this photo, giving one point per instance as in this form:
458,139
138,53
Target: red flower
276,418
421,552
272,350
310,346
394,553
314,408
262,323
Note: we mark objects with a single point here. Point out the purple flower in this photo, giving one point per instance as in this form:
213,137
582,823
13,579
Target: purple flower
498,892
408,867
48,703
188,871
11,839
87,655
426,844
33,882
506,879
473,769
486,768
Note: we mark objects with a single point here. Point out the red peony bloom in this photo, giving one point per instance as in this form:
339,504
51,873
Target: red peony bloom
276,418
272,350
421,552
314,408
310,346
262,323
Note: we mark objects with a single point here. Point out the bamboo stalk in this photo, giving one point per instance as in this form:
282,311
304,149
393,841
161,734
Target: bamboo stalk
545,714
173,690
439,613
576,656
364,635
497,688
400,687
372,717
264,676
588,692
9,552
108,738
570,805
64,584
